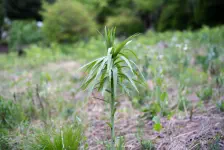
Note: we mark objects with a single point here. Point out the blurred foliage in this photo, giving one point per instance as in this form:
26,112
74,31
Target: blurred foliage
23,9
73,23
191,14
205,94
191,58
23,33
11,114
161,15
94,6
148,6
125,24
170,19
208,12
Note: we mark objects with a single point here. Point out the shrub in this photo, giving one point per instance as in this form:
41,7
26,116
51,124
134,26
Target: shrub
67,137
23,33
11,114
126,24
67,21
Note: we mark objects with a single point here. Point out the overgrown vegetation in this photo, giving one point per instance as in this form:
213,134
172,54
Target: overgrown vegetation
184,76
11,114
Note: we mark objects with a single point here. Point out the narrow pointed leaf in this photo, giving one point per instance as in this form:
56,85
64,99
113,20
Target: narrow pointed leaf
115,81
102,65
129,79
138,69
90,63
123,44
127,62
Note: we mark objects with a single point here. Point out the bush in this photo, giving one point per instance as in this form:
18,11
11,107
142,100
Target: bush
68,137
74,22
23,33
126,24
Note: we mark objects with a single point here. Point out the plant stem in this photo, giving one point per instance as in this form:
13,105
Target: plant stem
112,109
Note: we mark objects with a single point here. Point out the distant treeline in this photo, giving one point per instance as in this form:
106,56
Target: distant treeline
159,14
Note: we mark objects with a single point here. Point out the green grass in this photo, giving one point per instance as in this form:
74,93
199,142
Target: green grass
68,137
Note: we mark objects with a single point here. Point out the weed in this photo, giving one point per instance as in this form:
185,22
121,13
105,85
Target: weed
145,144
66,138
157,125
183,103
113,71
4,141
220,105
205,94
11,114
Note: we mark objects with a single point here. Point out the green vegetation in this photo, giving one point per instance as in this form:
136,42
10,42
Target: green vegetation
160,14
40,95
126,24
68,137
111,72
173,98
11,114
73,23
20,37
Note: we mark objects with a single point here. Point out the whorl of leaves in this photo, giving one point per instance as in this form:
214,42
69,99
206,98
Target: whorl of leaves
115,67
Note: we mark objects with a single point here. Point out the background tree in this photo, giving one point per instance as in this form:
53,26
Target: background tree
23,9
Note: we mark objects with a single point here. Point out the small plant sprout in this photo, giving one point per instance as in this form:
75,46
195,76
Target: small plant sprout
113,72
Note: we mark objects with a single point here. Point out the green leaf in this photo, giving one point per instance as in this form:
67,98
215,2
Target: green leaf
123,44
124,88
117,62
127,62
109,62
94,68
163,96
115,81
132,52
157,127
115,109
90,63
102,81
138,69
156,119
130,80
98,74
109,124
86,83
104,88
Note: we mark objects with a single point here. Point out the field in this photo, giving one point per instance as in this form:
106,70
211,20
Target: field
181,106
